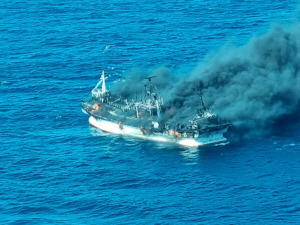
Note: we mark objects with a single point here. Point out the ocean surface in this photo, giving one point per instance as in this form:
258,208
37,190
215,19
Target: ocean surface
56,169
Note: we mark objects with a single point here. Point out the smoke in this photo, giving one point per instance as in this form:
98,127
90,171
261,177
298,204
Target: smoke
253,86
133,85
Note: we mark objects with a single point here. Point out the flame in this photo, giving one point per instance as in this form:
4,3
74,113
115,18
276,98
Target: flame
177,134
96,106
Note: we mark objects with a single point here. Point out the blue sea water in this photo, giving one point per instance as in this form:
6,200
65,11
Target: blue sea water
56,169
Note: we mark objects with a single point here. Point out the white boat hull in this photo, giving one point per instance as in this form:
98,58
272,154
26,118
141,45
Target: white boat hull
112,127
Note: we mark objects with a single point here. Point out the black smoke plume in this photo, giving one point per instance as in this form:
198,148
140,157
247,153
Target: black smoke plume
253,86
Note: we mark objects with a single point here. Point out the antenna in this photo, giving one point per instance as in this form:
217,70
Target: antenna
201,99
103,82
200,89
145,85
149,78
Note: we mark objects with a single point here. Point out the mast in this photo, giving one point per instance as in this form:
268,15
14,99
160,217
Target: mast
96,92
137,111
103,83
202,103
157,108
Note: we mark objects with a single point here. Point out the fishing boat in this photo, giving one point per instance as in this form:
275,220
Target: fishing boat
147,118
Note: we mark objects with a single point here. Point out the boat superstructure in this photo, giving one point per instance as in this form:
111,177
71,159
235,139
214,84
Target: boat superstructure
146,118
